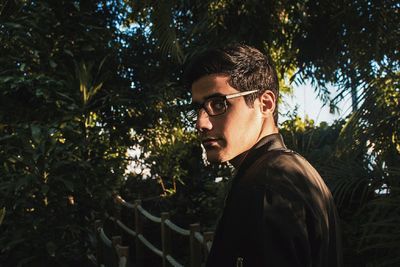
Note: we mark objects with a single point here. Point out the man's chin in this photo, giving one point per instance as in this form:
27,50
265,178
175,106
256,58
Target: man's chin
214,160
213,156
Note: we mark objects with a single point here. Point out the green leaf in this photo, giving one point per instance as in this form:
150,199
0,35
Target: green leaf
13,243
6,167
68,184
88,48
45,189
26,260
7,78
68,52
52,64
13,25
51,248
36,133
7,137
2,214
24,180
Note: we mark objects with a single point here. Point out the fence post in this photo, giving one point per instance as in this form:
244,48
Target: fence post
165,238
195,247
117,208
208,237
116,241
121,252
139,231
99,250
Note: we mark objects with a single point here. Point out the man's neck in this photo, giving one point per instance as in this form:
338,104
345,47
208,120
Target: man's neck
237,161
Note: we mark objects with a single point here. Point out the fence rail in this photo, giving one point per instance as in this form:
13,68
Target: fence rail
110,252
200,244
176,228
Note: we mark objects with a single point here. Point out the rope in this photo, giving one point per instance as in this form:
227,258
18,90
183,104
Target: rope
148,215
199,237
126,228
150,245
120,200
105,239
176,228
173,261
123,260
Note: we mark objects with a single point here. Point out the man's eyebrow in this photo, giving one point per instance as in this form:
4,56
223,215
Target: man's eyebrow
199,102
213,95
207,97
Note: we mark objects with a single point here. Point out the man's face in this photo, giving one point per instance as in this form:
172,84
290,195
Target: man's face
227,135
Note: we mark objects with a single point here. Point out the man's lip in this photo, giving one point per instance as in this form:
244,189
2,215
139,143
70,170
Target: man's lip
208,141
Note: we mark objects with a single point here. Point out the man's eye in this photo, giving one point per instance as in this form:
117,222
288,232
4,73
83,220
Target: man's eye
217,105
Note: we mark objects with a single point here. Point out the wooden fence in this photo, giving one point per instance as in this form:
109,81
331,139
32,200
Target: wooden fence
110,252
199,244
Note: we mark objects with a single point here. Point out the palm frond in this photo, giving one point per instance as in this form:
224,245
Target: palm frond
164,28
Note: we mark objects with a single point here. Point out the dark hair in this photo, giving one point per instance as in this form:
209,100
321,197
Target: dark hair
247,68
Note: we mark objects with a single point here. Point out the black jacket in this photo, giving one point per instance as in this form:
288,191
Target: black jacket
278,213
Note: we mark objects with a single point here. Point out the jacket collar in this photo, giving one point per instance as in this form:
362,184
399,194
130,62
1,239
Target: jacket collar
265,144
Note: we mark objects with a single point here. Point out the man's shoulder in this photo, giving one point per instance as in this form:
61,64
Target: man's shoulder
282,159
280,166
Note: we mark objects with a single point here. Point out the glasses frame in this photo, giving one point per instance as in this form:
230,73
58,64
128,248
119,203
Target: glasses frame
225,98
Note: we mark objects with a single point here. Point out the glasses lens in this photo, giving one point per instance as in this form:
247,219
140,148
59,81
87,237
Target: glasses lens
192,111
215,106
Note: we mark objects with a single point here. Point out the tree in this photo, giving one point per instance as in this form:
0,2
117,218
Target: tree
60,145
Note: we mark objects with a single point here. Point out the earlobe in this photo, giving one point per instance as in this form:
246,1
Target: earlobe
267,103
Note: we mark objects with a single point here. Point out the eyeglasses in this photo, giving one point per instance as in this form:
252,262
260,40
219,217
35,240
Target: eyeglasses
217,105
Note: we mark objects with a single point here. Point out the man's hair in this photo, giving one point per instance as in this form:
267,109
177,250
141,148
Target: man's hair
247,69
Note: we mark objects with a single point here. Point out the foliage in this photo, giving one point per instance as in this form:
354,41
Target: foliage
83,81
367,181
312,141
361,168
359,160
60,152
2,215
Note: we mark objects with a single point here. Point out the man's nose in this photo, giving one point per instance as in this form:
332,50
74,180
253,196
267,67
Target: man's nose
203,122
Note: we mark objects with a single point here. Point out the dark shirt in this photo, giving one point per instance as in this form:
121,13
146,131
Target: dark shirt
278,212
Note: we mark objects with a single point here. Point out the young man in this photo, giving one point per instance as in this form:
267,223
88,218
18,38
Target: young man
278,211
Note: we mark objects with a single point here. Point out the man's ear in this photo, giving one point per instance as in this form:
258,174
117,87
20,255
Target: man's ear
267,103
